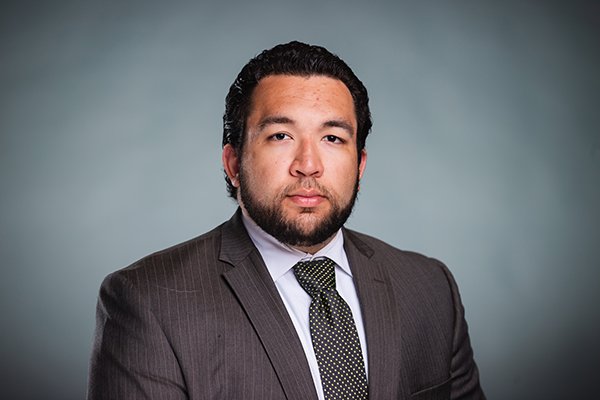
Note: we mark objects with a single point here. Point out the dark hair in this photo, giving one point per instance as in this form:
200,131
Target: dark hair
294,58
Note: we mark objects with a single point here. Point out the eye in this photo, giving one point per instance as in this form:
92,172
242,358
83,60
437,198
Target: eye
279,136
333,139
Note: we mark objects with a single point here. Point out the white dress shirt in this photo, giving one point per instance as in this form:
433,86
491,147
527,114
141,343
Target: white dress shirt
279,259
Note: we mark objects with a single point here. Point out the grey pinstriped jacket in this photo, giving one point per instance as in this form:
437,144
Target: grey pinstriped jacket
203,320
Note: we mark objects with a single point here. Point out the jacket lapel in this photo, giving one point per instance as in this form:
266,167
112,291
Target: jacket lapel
256,292
379,316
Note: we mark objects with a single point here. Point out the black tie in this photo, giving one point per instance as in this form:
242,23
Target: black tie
333,332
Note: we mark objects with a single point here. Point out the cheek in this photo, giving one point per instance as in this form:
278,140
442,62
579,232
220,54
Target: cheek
270,168
263,178
344,174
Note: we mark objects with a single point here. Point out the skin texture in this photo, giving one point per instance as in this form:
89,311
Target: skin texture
299,172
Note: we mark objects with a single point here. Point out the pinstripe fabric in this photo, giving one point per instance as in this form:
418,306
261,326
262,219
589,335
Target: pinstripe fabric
203,320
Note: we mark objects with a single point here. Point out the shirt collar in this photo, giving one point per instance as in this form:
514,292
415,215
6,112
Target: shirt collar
280,258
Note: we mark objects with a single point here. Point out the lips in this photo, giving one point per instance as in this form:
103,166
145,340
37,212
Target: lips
307,198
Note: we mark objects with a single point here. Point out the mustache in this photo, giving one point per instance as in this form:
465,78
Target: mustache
307,184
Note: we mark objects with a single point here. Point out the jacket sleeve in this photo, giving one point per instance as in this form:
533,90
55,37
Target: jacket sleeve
131,356
464,373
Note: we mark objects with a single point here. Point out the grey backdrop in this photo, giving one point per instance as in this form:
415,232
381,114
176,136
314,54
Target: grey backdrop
485,153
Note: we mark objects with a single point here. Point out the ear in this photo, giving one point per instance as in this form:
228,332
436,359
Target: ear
231,164
363,163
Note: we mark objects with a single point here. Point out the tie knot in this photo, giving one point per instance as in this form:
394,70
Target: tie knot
316,275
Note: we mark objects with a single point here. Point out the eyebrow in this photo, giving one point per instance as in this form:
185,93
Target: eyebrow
272,120
340,124
276,119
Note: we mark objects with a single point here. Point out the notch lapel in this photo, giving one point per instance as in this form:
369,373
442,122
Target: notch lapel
379,316
258,296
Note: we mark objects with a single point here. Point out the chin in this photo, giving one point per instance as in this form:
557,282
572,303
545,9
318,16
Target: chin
309,228
317,212
308,218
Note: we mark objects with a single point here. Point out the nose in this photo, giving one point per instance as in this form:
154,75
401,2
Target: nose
307,161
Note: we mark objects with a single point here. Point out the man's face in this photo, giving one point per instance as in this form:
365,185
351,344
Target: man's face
299,172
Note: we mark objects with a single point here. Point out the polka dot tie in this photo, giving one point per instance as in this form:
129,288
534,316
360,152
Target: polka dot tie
333,332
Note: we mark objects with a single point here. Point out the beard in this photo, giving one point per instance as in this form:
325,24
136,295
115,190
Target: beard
307,229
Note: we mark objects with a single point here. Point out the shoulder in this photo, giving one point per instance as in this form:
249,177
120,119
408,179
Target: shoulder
179,267
415,279
378,249
400,264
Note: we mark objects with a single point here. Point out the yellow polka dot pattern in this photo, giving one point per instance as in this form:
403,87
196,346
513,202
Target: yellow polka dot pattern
333,332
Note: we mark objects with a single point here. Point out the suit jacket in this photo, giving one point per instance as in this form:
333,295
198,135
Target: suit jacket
204,320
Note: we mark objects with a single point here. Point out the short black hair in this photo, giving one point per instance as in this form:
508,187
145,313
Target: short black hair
296,59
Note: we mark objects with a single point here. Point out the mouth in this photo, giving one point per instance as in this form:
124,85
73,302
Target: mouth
306,198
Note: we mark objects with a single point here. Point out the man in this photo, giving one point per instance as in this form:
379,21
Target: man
281,301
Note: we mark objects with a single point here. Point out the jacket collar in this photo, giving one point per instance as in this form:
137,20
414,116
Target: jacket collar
380,318
257,294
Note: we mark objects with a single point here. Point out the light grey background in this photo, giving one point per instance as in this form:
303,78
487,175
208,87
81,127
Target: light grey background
485,153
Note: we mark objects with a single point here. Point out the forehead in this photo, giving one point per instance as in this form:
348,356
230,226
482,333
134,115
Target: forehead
275,93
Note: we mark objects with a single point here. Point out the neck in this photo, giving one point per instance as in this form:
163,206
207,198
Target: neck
314,248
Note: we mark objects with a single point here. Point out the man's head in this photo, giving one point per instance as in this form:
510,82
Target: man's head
295,127
298,59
